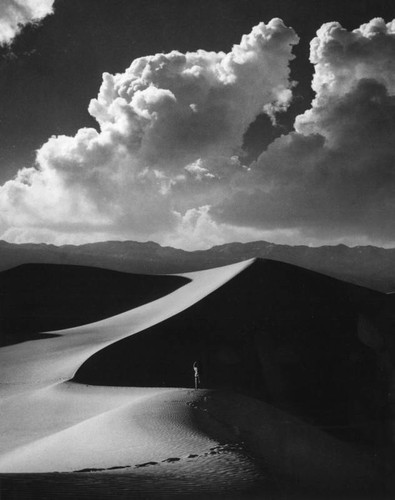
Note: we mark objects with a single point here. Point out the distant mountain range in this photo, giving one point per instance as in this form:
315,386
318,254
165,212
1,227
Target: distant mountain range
363,265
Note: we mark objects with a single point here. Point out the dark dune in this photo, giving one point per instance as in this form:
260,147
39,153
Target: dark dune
43,297
276,332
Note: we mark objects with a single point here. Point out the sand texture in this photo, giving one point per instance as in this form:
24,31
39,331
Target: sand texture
284,408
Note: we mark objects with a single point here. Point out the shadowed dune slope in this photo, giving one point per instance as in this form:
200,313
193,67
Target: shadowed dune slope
275,331
41,297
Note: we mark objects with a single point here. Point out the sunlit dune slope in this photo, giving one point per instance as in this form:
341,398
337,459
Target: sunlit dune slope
187,441
41,297
55,359
274,331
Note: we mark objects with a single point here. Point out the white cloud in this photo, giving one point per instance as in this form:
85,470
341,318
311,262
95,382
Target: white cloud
170,127
165,163
14,14
197,230
334,177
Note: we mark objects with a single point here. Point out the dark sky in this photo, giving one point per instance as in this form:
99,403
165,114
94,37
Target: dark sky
51,72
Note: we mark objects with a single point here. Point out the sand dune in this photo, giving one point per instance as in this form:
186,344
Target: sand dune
37,298
55,359
209,439
282,334
254,327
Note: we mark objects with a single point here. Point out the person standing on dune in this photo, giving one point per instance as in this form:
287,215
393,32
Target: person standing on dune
196,371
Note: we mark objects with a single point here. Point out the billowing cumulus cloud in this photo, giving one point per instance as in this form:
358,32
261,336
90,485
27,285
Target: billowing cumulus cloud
14,14
165,162
169,131
333,178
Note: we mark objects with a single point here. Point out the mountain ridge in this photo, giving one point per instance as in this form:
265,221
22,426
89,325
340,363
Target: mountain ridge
368,266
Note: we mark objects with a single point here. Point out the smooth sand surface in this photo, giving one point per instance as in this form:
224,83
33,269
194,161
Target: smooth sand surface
57,359
43,297
50,424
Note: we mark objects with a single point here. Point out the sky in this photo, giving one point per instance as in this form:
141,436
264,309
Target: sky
194,124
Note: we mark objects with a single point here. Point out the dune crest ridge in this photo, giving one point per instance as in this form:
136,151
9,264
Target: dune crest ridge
57,359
